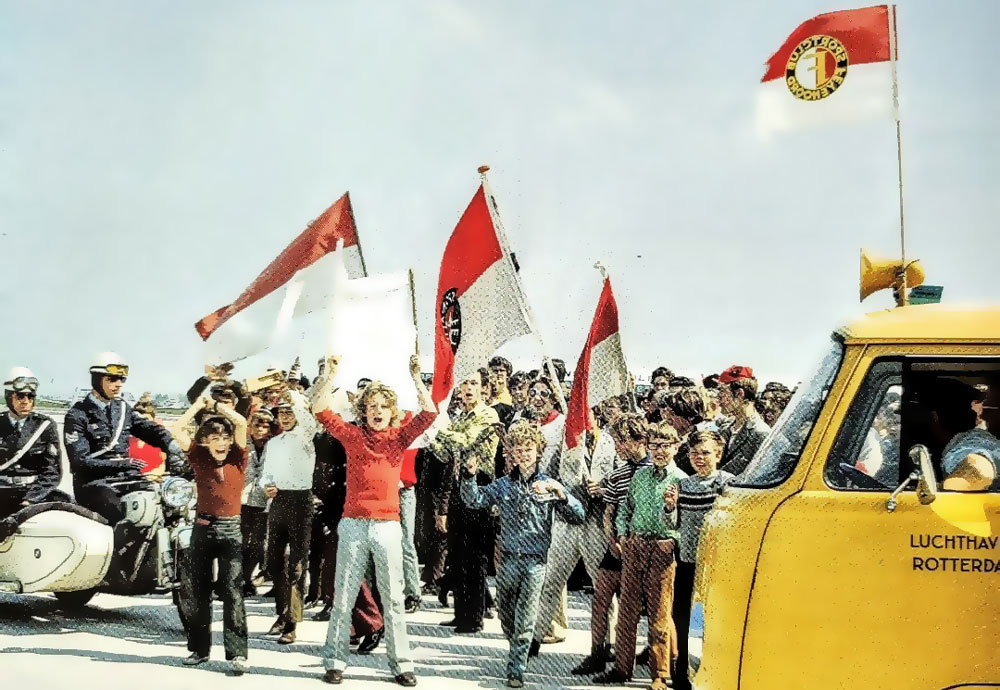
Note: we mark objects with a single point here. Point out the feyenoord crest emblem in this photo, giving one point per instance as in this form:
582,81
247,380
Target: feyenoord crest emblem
451,318
816,68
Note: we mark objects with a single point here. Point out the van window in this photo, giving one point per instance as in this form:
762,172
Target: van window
779,453
947,405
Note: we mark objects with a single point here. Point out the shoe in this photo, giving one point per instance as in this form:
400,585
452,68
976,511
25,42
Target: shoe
412,604
453,622
355,639
659,684
277,628
534,648
406,679
333,676
514,682
195,659
443,598
613,677
591,664
468,629
371,641
288,637
324,614
239,666
606,653
553,639
642,658
490,614
310,602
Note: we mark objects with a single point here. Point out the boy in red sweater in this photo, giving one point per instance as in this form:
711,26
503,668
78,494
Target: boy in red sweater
370,527
218,458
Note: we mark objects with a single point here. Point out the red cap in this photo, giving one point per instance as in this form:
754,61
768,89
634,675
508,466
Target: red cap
735,373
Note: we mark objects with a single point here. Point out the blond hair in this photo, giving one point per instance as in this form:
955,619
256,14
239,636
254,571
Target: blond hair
365,396
524,432
663,430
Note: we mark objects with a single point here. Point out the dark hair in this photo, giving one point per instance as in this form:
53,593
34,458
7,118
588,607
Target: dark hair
484,378
502,362
711,382
517,378
696,437
213,425
363,380
680,382
560,367
661,371
631,426
747,385
776,386
687,403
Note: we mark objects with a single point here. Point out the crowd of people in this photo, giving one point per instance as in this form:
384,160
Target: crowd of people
336,496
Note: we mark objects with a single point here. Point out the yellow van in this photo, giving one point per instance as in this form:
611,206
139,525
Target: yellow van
824,566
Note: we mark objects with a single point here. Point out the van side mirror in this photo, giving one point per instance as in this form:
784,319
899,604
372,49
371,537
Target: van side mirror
927,485
923,475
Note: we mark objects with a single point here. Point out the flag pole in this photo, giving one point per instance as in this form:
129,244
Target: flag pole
413,307
902,299
522,299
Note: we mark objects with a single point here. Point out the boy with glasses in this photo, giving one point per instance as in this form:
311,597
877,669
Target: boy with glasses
646,526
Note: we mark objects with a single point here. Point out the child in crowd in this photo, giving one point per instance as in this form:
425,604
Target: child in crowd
218,457
648,534
696,496
527,499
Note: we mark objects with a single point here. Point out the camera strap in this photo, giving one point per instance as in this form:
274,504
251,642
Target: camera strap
27,446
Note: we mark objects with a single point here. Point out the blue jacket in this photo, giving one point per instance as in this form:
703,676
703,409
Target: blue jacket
88,428
525,524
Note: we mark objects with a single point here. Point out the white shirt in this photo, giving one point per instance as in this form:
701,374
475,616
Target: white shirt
290,457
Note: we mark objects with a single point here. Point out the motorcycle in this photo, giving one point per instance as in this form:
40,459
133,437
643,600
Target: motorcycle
69,551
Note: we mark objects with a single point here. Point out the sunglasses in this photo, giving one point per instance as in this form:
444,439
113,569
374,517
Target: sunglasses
115,378
539,393
24,396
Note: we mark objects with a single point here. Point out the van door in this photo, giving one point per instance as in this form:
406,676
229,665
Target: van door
851,594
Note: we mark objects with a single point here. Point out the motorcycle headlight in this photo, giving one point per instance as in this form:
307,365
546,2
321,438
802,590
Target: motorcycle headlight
696,636
177,492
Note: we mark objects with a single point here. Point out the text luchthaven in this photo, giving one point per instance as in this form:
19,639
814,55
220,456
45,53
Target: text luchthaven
955,564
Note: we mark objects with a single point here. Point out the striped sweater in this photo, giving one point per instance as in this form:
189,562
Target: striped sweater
695,498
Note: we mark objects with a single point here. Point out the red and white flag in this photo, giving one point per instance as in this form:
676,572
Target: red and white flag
601,372
480,303
836,67
307,267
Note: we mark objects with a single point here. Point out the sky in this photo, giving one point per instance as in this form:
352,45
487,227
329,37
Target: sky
155,156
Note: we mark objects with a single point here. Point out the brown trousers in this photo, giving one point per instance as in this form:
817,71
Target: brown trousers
605,589
647,578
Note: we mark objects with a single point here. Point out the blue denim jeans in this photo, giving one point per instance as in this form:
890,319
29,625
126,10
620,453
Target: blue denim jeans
408,521
358,542
519,587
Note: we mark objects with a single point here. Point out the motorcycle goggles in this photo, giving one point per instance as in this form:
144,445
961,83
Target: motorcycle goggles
23,384
117,370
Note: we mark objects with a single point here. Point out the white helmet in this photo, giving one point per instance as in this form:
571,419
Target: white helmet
109,364
20,379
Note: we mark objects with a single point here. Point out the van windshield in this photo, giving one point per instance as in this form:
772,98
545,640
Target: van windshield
779,453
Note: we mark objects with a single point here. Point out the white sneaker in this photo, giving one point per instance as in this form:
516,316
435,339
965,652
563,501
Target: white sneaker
240,666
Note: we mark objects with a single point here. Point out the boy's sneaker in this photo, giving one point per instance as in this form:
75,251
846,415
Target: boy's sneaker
412,604
334,676
195,659
406,679
515,682
240,666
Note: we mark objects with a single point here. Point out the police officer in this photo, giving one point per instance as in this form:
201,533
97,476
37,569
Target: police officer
97,431
30,467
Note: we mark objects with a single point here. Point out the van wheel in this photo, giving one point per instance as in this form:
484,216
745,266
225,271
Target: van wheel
72,601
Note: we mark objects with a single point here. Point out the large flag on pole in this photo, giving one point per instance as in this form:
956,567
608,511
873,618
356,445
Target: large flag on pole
601,372
835,67
263,310
480,303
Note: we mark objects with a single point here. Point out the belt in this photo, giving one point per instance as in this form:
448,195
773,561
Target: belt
207,517
19,481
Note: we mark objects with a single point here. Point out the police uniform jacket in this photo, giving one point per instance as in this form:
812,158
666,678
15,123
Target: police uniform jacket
89,428
42,460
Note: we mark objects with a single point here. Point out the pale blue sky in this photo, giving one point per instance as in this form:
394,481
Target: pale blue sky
155,156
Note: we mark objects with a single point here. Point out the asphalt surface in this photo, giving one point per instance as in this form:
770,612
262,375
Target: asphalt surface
138,643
